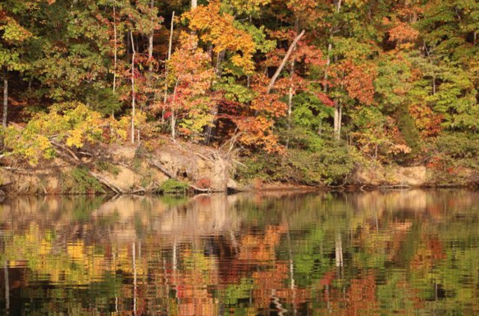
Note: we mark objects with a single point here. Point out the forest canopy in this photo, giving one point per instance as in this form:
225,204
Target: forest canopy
389,80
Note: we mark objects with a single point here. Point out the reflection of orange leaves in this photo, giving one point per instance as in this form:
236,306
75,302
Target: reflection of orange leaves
261,248
428,253
360,300
362,296
328,278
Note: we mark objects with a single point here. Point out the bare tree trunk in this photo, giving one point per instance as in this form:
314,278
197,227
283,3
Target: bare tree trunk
194,4
170,44
283,62
173,118
150,41
291,87
5,102
428,54
338,113
215,109
133,92
115,52
326,70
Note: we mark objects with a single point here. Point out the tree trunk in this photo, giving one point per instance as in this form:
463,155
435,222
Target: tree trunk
283,62
215,109
170,44
133,93
150,41
173,118
291,86
5,102
194,4
326,70
338,113
330,47
115,52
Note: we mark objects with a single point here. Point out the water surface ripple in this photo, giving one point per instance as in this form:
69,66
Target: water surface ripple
379,253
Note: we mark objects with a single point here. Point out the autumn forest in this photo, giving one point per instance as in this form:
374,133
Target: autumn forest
300,90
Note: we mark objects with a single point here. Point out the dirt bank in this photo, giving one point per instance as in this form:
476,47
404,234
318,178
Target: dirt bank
124,170
185,167
417,176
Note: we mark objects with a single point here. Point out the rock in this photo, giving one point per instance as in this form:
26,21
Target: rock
379,175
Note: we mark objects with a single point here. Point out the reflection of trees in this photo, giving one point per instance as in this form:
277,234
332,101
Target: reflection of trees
345,254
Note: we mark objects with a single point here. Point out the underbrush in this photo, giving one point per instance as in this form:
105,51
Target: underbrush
331,164
79,181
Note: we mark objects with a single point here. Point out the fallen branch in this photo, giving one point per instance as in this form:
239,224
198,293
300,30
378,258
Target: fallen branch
162,169
283,63
111,186
65,148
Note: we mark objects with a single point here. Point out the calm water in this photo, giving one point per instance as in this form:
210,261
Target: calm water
396,253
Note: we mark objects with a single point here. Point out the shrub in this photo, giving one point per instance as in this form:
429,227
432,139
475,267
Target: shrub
172,186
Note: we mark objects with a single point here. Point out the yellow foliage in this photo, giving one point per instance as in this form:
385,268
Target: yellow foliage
218,29
248,6
72,123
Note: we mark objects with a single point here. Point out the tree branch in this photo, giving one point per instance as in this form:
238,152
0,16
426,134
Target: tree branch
283,63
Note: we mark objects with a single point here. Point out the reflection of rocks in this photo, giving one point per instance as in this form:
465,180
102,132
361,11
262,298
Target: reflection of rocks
397,200
201,215
175,220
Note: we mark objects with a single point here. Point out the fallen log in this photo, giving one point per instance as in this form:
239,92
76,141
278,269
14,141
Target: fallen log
104,181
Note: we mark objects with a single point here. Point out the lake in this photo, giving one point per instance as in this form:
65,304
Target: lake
375,253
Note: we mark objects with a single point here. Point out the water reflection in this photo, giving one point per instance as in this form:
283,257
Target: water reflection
394,253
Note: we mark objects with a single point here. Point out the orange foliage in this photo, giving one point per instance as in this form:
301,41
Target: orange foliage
358,80
256,128
428,122
403,32
218,29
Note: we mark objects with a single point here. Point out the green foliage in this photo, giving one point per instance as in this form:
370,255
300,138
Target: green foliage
262,44
172,186
326,162
234,91
104,101
393,83
408,130
458,145
310,112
